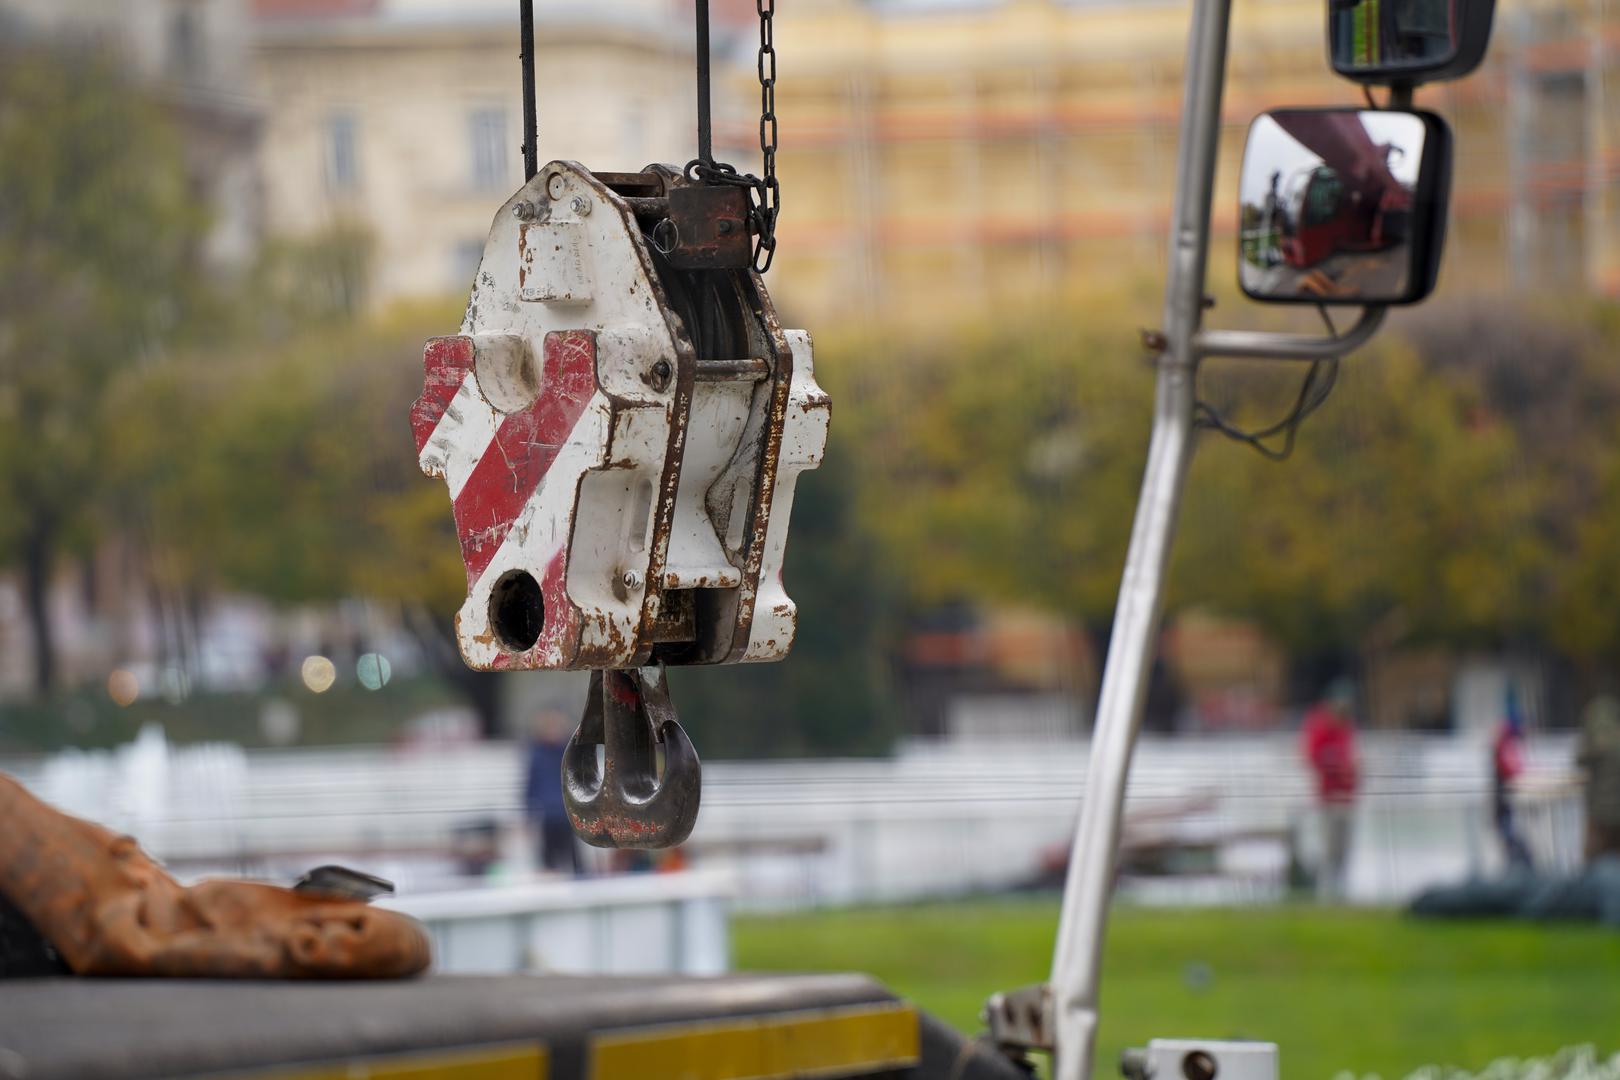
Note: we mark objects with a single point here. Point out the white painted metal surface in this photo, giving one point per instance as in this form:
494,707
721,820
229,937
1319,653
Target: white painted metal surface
633,924
1191,1059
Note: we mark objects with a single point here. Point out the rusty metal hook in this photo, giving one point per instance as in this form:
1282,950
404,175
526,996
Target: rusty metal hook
624,801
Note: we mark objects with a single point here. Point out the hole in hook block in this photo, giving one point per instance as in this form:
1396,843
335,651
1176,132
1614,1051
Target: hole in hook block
517,610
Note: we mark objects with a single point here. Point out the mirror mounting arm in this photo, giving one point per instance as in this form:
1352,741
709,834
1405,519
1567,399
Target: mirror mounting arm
1266,346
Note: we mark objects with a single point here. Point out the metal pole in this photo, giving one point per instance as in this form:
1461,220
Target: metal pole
531,139
705,129
1077,960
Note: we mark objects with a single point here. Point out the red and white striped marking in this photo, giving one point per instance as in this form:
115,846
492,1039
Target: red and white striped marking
494,463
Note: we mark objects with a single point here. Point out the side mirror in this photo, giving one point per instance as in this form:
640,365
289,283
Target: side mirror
1407,41
1343,206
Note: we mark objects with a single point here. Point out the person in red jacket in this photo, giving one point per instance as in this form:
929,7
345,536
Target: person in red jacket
1328,743
1507,762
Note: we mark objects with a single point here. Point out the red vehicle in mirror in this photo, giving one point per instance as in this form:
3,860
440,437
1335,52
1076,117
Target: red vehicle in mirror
1351,202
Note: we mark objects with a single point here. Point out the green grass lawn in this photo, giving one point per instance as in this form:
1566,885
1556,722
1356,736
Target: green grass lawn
1366,991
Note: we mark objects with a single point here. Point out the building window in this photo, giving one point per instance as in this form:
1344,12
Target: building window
185,59
486,129
343,153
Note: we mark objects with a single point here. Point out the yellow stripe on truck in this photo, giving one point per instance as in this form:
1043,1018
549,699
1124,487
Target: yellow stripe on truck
814,1043
508,1061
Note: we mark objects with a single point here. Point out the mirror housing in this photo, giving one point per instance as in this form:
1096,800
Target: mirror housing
1407,41
1343,206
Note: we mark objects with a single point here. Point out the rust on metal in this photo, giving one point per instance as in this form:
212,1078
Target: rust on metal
624,800
677,618
649,183
770,452
649,208
710,228
752,369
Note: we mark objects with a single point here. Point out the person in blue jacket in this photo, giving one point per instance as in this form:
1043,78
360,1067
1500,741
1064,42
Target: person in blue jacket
543,795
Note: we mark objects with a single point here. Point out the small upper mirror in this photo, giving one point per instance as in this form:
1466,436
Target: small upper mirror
1407,41
1342,206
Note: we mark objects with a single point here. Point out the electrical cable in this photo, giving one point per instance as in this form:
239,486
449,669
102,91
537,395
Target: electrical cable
1313,393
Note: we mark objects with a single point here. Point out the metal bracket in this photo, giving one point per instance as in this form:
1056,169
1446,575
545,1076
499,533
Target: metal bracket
1261,345
1021,1019
710,227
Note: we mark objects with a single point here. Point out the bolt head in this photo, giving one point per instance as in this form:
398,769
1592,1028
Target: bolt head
581,206
523,211
631,579
661,372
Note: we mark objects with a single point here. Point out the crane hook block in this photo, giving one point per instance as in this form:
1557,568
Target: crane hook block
621,422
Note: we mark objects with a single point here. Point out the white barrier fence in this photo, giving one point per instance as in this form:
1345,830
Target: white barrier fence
937,819
633,924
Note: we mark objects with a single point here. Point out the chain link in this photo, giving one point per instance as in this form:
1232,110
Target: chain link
765,193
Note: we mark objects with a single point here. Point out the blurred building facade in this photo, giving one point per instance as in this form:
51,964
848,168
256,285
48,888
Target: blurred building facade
404,117
192,54
936,156
949,157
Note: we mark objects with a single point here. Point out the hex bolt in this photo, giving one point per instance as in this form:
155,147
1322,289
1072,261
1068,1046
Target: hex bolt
556,185
524,211
661,372
581,205
631,579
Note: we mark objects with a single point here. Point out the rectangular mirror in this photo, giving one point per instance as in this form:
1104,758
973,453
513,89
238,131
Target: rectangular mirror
1408,41
1343,206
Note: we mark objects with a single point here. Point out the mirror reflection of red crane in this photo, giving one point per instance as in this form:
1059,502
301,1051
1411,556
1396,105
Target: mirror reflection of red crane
1349,202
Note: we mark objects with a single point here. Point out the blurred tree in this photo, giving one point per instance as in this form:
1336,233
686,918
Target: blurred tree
98,236
1003,468
999,464
1404,510
1585,608
284,469
1548,372
989,467
298,282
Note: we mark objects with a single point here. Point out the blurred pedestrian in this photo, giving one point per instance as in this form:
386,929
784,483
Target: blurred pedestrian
1328,743
543,794
1269,253
1598,756
1507,763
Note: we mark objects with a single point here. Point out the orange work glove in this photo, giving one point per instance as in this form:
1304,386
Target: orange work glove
110,910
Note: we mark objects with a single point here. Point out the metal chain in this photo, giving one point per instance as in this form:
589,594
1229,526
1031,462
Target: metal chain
765,192
770,189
